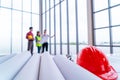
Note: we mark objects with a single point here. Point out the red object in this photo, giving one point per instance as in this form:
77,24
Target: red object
96,62
29,34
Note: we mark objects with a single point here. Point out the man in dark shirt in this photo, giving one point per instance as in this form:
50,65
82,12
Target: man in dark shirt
30,38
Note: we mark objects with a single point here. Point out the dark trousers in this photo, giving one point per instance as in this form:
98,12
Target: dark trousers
30,46
44,45
39,48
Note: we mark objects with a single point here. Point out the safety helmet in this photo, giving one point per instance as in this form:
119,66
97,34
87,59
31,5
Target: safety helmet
95,61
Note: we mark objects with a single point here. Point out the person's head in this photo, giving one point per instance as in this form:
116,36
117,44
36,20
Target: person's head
38,33
45,31
30,28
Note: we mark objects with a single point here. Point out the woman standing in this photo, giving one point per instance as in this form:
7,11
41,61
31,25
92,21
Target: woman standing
38,43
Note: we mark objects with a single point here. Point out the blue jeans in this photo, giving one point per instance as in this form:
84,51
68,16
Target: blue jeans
39,48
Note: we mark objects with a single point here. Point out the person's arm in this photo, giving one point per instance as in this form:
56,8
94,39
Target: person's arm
27,36
52,36
35,38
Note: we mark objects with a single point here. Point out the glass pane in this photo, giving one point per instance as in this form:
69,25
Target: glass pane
5,33
6,3
48,26
105,50
72,27
35,6
114,2
64,49
115,32
101,19
72,49
26,25
100,4
47,14
43,21
43,6
52,48
82,22
47,4
57,49
35,24
27,5
64,28
16,32
58,29
116,50
46,21
57,1
115,13
52,3
102,37
52,30
17,4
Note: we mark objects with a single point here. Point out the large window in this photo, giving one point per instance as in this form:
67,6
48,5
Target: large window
102,37
16,32
114,2
52,30
26,25
64,28
82,23
6,3
115,32
62,23
35,6
72,27
17,4
100,4
58,29
27,5
47,4
16,16
5,33
115,12
43,6
106,24
101,19
43,20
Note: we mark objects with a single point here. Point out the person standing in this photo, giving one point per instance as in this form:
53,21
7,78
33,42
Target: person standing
44,40
30,38
38,41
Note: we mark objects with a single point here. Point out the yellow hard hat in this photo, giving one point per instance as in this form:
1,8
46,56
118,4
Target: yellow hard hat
30,37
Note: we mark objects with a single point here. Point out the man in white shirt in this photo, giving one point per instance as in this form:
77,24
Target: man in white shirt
44,40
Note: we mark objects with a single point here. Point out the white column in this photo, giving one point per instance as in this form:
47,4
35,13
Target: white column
90,23
40,16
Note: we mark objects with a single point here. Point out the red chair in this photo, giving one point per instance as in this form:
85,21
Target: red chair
96,62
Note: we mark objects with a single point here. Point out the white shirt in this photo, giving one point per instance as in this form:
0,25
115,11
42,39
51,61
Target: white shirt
45,38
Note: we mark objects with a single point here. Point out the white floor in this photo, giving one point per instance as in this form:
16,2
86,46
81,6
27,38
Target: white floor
115,62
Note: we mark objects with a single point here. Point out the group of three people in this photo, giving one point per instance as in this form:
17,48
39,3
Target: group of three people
41,40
